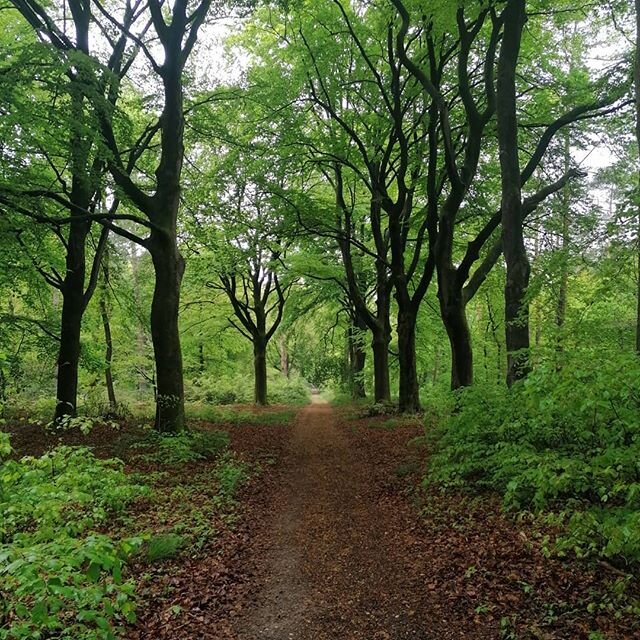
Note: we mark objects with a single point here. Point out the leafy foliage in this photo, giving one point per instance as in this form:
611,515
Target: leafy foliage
564,441
59,576
184,447
164,546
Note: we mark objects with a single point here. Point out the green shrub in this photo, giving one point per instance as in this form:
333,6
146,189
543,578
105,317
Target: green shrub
562,441
231,474
239,390
220,391
228,416
188,446
164,546
293,390
58,577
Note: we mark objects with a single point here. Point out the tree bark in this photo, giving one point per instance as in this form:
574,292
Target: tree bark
636,78
408,393
108,355
518,269
73,306
455,321
283,352
169,269
260,370
565,239
381,380
108,340
201,359
357,359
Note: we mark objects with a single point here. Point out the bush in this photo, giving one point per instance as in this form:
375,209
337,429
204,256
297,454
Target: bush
231,474
164,546
188,446
293,390
220,391
59,578
239,390
563,441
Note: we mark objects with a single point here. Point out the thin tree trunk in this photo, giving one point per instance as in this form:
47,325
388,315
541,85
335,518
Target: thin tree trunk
357,359
563,288
436,367
518,269
108,340
283,352
108,356
636,76
537,309
201,360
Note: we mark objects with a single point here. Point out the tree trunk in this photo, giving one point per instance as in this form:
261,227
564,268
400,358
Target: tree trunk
381,381
73,306
201,360
455,321
169,269
636,78
454,317
518,270
260,370
563,286
283,352
68,357
106,325
357,359
409,394
108,356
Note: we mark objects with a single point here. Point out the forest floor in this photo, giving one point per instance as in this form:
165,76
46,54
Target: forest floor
332,540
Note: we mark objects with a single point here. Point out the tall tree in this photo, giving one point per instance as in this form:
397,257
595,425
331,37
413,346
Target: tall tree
515,252
176,29
77,181
246,249
636,78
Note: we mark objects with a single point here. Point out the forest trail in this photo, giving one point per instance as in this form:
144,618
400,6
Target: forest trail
334,542
331,565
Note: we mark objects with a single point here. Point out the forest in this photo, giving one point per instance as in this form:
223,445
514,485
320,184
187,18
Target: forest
319,319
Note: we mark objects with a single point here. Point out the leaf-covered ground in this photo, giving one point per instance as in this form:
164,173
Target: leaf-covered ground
327,538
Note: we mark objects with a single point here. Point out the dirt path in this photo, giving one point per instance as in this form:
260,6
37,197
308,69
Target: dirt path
330,567
334,543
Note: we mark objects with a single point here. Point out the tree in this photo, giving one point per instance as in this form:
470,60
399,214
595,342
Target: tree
82,79
177,38
247,259
515,253
467,158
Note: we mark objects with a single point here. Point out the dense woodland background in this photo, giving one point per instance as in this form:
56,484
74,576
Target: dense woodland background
343,159
421,206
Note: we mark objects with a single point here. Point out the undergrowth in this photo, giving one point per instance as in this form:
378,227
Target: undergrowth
563,443
229,416
59,577
67,533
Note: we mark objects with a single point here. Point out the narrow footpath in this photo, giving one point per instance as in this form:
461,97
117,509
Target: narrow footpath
334,542
334,562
